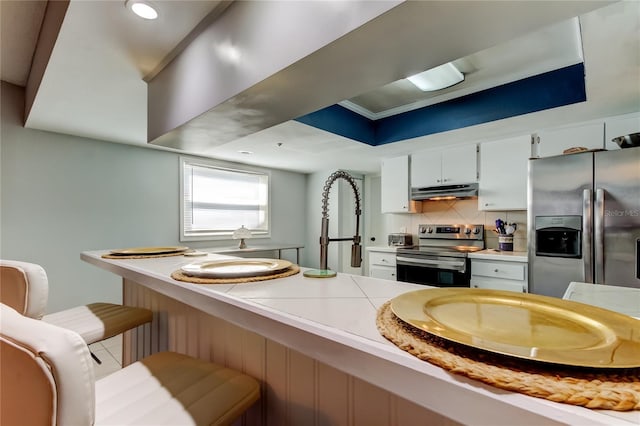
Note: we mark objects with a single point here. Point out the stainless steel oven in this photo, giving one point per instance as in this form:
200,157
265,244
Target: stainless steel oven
441,257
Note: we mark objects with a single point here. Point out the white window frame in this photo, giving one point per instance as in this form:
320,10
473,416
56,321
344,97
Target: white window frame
217,234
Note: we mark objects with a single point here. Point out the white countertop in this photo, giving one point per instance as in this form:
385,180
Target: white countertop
488,254
505,256
333,320
383,249
625,300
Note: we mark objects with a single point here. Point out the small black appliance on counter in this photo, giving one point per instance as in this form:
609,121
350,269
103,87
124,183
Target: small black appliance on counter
400,240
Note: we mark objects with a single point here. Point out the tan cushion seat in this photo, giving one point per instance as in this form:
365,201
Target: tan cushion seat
98,321
174,389
47,378
24,286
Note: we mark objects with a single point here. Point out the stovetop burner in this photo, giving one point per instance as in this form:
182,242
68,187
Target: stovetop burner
457,251
447,240
467,249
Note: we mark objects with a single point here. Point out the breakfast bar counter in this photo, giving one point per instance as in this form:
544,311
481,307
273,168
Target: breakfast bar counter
314,345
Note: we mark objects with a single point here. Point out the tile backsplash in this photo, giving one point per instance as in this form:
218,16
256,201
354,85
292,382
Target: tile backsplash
461,211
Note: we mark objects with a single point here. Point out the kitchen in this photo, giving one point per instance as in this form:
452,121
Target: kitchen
122,195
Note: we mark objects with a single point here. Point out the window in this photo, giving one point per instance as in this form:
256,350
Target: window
217,201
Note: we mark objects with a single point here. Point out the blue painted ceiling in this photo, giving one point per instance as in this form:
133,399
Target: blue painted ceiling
552,89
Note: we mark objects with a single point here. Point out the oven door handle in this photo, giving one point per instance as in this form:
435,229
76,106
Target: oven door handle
454,265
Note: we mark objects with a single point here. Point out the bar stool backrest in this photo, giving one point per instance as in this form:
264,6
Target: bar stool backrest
47,373
24,286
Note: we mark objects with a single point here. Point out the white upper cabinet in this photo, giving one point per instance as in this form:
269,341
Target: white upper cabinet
620,126
503,174
554,141
394,186
426,169
449,166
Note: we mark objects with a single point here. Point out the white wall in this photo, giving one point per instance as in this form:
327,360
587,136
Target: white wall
315,184
61,195
347,225
341,222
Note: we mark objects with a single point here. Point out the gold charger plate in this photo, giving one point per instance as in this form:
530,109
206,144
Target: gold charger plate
235,268
522,325
138,251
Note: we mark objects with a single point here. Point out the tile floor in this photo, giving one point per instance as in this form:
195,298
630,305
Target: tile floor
110,353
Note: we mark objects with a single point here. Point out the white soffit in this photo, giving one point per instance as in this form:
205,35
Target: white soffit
93,85
19,28
374,54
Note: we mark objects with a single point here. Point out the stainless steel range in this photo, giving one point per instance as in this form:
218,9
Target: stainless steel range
441,257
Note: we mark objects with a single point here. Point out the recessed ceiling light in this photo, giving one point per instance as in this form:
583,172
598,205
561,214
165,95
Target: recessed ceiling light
143,9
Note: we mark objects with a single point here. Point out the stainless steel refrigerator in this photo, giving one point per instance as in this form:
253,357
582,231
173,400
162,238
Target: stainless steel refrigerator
584,220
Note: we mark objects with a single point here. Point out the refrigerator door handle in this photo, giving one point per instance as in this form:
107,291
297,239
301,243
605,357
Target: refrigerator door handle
587,238
598,238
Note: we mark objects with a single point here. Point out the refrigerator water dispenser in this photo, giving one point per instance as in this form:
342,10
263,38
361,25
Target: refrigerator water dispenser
559,236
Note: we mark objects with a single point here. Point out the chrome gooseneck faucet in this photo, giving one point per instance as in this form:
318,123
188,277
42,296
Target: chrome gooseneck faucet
356,249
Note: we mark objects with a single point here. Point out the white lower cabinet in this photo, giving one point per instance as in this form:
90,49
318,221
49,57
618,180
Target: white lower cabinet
499,275
383,272
382,264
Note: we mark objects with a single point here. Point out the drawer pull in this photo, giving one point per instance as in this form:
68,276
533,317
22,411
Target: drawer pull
495,270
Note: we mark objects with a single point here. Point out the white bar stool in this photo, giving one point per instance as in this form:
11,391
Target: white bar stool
48,379
24,286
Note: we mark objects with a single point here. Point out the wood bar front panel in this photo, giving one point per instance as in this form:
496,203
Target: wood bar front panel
296,389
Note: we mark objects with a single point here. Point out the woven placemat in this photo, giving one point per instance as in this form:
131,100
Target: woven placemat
592,388
178,275
140,256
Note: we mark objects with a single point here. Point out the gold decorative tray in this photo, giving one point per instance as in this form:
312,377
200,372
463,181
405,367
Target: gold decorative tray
527,326
138,251
235,268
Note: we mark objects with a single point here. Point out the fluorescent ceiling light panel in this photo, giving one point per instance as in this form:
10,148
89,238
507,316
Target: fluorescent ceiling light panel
437,78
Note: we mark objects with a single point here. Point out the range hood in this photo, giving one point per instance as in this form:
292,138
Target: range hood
445,192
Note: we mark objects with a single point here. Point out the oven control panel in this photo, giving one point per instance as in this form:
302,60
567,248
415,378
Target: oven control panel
453,232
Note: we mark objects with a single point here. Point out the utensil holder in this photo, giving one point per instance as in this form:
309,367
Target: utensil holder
505,242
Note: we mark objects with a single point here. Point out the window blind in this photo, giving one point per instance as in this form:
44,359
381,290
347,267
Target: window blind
217,201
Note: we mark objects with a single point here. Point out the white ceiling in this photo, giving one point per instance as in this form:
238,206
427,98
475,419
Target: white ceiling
553,47
94,87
